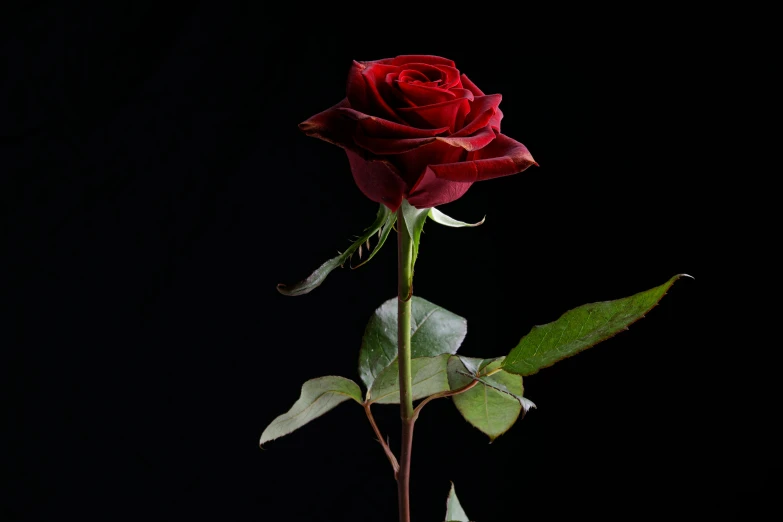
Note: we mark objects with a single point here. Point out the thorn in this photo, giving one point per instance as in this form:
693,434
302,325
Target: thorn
360,251
379,232
368,245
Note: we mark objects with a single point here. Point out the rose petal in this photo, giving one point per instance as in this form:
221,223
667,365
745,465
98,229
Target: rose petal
472,86
420,94
448,76
356,91
377,180
418,58
489,163
476,141
437,115
495,121
462,93
482,111
380,128
412,75
478,122
411,165
384,146
364,82
502,157
332,125
432,191
399,99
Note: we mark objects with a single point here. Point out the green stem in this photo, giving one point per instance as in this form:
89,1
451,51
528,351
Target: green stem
404,290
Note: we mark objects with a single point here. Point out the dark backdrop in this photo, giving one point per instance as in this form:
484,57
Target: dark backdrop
156,188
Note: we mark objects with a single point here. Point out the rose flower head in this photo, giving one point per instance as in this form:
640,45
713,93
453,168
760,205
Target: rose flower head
414,127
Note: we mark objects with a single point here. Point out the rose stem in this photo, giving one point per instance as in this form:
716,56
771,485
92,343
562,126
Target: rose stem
404,274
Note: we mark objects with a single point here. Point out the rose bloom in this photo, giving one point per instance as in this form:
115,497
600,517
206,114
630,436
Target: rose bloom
414,127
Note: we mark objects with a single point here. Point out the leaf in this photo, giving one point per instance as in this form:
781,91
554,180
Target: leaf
319,275
434,331
439,217
454,511
428,376
414,223
470,369
494,404
318,397
496,382
579,329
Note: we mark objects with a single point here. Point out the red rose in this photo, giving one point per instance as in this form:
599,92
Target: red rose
415,128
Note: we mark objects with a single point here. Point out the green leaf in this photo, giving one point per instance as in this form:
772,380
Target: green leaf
428,376
454,511
414,223
495,403
439,217
317,277
470,369
579,329
498,382
434,331
318,397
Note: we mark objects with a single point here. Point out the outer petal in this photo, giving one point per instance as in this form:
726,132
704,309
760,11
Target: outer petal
332,125
412,165
495,121
472,86
503,157
355,89
432,191
377,180
493,160
477,140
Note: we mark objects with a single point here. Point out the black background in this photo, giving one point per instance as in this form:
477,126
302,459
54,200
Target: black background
156,188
